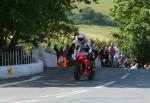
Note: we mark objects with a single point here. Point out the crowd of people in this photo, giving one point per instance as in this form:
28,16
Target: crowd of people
64,56
106,56
103,57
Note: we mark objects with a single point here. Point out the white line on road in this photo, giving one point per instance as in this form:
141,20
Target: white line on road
27,101
5,100
25,81
123,77
73,93
54,84
112,82
65,93
70,84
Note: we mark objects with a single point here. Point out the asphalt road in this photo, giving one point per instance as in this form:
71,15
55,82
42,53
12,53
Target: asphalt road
58,86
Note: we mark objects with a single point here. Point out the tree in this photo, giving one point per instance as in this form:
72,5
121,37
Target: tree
33,20
133,17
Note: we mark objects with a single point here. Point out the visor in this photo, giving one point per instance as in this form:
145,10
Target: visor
80,39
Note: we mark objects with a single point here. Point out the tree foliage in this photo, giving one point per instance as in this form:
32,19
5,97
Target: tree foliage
133,17
33,20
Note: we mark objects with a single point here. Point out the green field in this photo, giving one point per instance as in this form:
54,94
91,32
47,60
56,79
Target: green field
97,32
103,6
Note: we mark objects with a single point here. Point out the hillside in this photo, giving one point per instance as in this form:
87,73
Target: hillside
103,6
94,31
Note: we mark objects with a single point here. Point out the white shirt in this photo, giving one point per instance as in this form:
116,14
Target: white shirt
134,67
116,52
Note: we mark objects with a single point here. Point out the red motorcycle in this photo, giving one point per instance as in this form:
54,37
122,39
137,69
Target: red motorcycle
83,67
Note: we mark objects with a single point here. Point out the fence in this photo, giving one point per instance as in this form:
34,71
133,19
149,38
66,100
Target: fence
15,57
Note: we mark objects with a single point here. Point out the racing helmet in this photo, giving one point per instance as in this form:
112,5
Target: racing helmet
81,37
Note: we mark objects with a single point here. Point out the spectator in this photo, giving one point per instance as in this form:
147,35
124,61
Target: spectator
131,65
98,62
146,66
62,61
95,51
70,53
66,54
67,50
61,52
135,66
121,60
56,50
116,57
126,63
104,63
101,53
71,50
106,56
111,54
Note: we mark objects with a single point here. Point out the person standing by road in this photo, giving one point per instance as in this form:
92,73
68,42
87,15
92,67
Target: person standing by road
116,57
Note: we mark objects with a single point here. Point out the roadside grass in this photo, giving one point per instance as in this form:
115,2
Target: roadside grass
97,32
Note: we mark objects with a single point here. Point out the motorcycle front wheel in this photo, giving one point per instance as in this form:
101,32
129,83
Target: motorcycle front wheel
92,74
77,73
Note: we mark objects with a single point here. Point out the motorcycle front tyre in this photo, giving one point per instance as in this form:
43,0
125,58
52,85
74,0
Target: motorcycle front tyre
92,74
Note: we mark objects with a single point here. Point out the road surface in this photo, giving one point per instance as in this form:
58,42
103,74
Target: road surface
58,86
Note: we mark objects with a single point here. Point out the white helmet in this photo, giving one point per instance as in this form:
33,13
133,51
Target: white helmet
81,37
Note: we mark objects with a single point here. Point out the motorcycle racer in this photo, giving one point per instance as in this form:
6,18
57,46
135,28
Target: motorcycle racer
82,43
82,58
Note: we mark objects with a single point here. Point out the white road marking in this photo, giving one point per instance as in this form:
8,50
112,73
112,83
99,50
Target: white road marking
73,93
55,84
77,82
70,84
65,93
123,77
27,101
5,100
25,81
112,82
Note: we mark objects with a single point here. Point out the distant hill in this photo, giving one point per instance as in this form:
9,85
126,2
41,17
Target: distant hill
94,13
95,31
103,6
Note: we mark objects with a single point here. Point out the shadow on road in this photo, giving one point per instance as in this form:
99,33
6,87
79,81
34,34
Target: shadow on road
63,78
